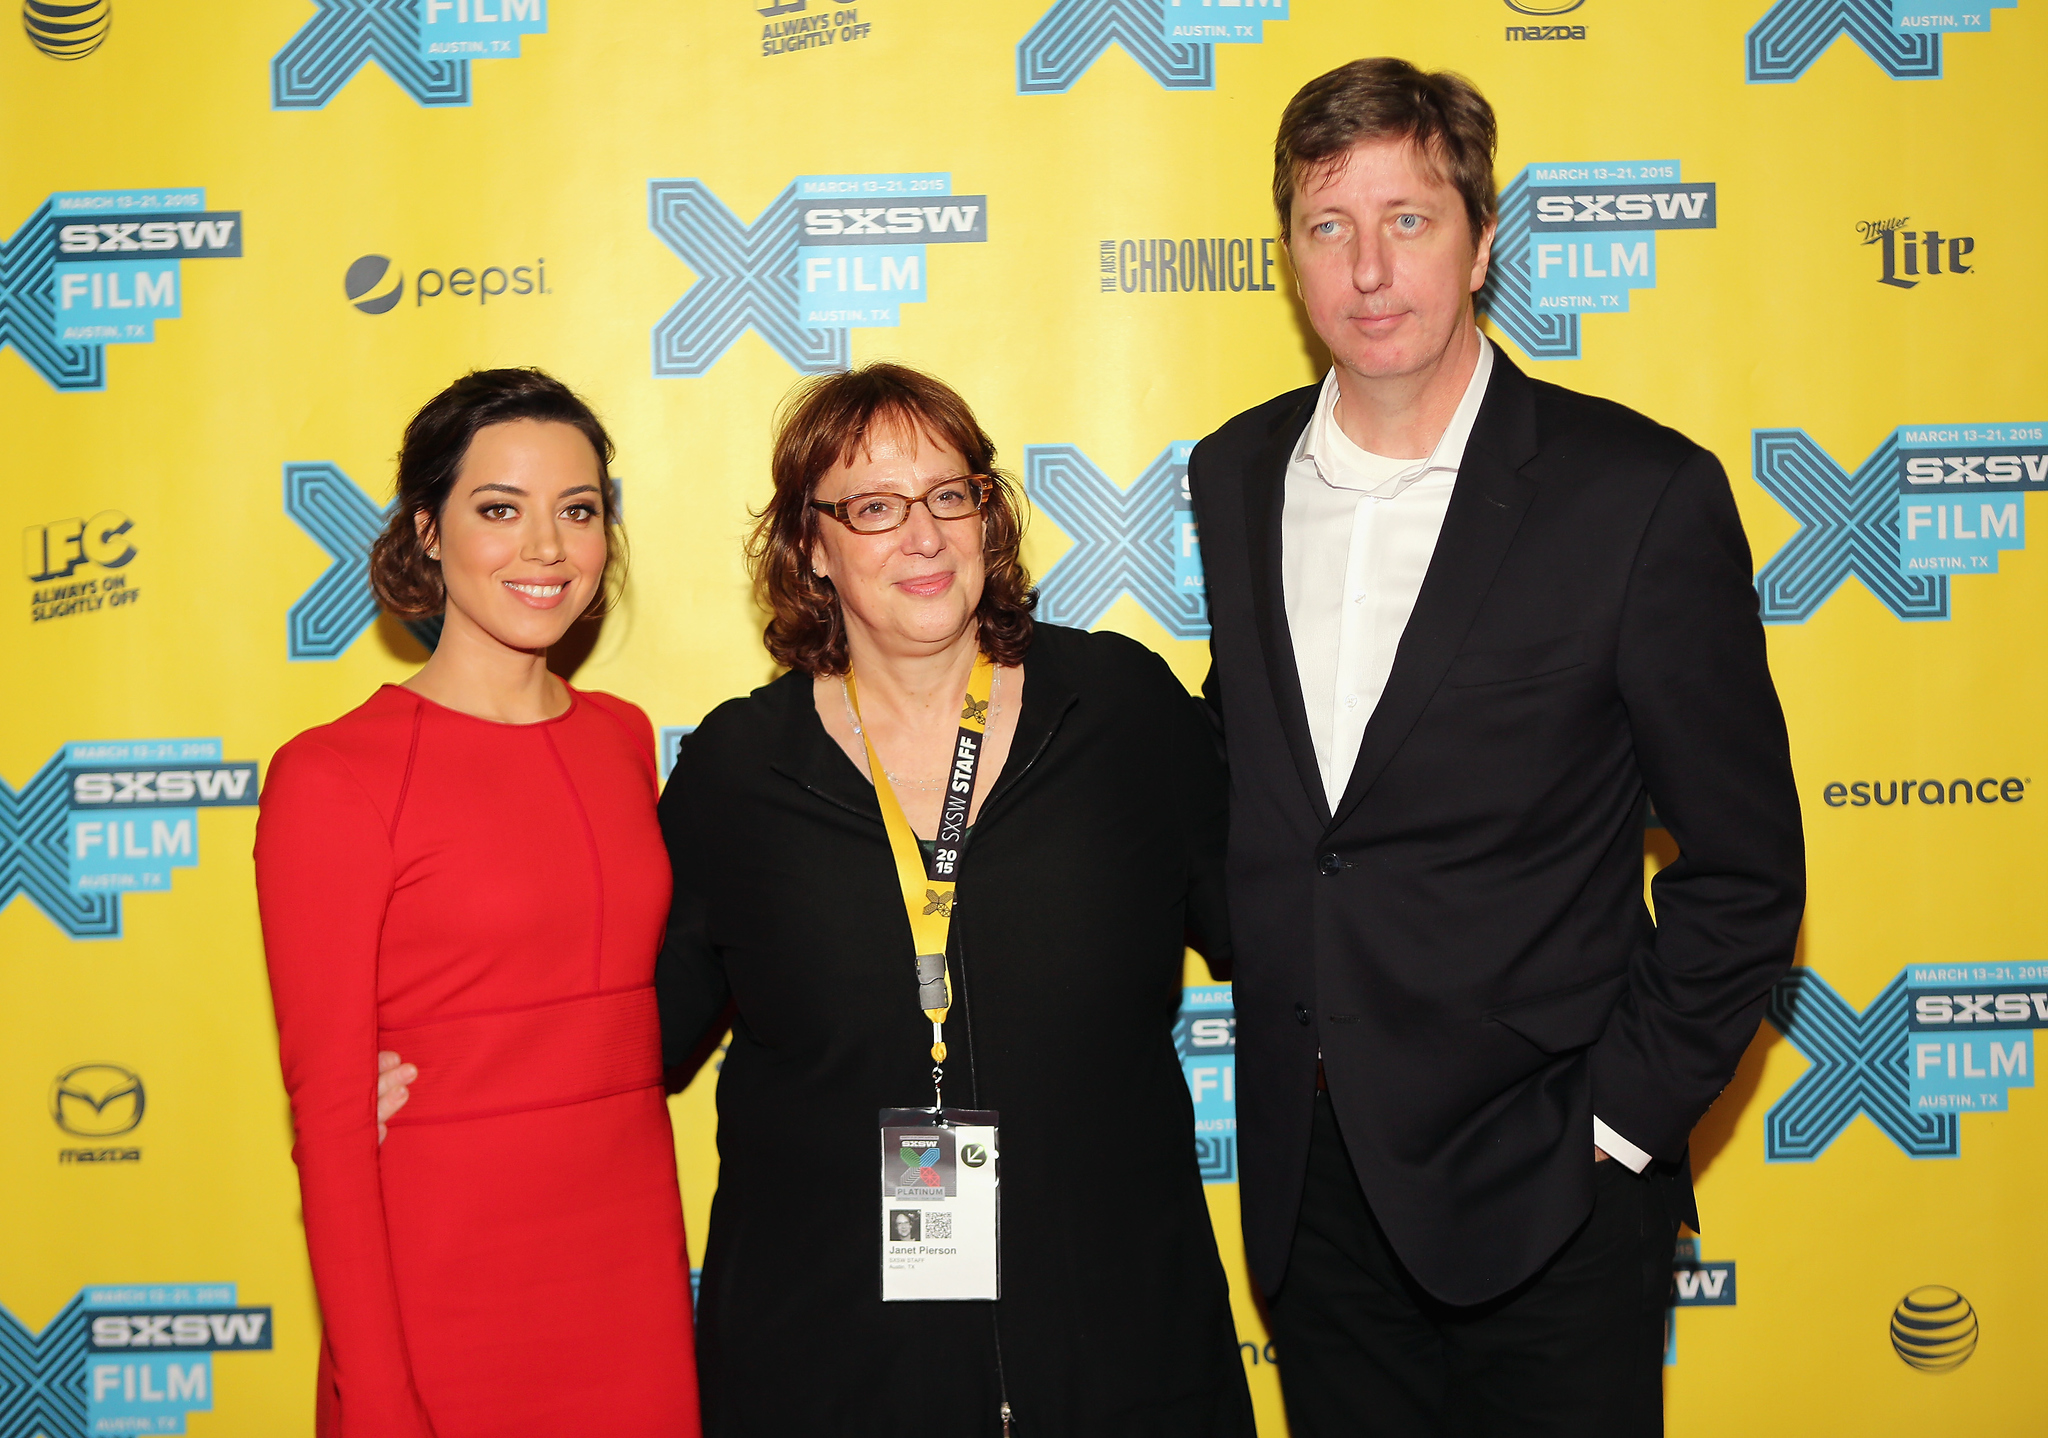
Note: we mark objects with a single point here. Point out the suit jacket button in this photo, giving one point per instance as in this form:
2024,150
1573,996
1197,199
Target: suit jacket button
1301,1013
1330,864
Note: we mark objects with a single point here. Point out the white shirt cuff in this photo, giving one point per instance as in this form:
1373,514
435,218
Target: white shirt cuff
1618,1148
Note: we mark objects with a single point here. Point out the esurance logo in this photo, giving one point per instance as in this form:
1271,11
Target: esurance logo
124,1359
1139,540
102,820
91,268
1575,240
1173,41
830,254
1205,1037
423,45
1940,1041
1902,250
1932,503
1902,36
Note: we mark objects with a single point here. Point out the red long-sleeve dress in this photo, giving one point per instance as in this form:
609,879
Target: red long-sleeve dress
488,900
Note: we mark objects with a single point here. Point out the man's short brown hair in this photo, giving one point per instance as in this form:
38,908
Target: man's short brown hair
1388,99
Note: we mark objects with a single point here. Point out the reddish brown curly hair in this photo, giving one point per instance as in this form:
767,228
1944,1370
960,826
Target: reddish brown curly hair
824,422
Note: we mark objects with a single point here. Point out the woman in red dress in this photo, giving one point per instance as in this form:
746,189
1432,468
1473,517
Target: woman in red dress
468,868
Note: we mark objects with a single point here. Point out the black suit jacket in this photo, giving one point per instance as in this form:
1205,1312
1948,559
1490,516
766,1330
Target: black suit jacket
1464,939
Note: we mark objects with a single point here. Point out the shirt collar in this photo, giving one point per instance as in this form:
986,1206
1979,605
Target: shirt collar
1319,442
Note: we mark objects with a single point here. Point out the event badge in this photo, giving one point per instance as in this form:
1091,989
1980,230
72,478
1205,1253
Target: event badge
941,1205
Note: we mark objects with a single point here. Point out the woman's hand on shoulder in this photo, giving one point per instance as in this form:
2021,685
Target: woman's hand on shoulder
394,1079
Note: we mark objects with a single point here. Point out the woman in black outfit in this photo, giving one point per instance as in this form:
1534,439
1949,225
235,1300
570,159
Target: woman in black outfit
1096,845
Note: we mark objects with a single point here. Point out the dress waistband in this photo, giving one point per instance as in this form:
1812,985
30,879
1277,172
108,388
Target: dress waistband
480,1065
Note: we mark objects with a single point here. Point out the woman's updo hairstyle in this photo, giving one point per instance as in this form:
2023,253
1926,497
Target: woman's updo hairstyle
408,583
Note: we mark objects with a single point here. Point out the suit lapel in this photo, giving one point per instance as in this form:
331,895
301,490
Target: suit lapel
1486,508
1265,492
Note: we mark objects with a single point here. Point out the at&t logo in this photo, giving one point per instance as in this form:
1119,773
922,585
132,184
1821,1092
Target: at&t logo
67,31
375,284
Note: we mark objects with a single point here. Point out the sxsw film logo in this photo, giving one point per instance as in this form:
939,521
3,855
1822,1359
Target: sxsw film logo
1902,249
1574,240
92,268
1205,1037
1140,540
1940,1041
339,605
1902,36
1695,1283
105,819
830,254
375,284
423,45
1931,503
1173,41
51,555
132,1358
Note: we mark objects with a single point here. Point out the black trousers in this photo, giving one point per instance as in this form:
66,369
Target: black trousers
1578,1349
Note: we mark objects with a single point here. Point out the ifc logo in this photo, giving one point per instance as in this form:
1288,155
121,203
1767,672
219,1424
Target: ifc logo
96,1100
1934,1329
67,32
373,284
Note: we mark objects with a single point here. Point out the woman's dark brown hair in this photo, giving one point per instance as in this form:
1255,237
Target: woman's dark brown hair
1388,99
824,422
405,581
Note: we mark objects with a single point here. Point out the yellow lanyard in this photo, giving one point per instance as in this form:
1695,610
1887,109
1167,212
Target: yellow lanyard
928,896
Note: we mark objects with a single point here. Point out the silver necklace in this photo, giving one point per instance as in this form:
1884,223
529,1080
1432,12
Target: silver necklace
926,786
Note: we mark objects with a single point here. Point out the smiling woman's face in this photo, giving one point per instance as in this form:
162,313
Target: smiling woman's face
522,536
913,588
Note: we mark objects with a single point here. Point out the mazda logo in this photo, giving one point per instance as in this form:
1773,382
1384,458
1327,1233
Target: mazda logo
96,1100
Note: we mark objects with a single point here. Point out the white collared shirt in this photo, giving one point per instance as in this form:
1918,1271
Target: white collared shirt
1357,532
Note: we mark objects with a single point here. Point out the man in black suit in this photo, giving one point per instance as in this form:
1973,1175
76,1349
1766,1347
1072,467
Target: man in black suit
1465,625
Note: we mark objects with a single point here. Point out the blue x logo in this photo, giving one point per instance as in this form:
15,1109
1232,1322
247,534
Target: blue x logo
1859,1066
33,861
344,36
1070,36
1509,296
1848,525
42,1376
1141,540
339,605
28,314
1795,33
746,275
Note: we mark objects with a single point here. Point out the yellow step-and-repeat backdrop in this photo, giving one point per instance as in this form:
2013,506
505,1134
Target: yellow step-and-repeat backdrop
244,241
